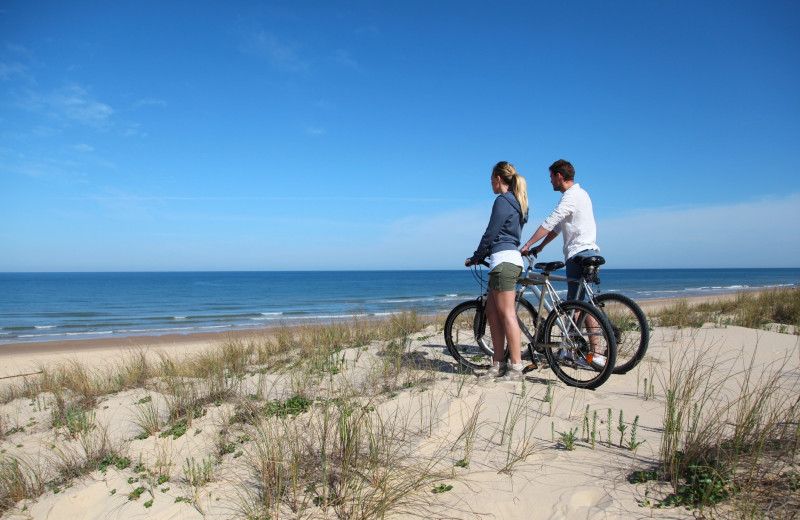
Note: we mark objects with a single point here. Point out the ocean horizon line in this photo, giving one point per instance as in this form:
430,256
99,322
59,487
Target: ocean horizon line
153,271
39,305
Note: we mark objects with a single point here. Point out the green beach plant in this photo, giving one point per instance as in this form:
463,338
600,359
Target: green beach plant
568,438
621,427
147,417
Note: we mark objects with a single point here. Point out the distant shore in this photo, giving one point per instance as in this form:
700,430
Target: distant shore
94,344
24,358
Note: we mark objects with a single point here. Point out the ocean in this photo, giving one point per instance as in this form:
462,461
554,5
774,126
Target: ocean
60,306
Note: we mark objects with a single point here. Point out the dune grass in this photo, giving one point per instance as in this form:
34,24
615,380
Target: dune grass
754,310
731,457
299,419
737,457
320,446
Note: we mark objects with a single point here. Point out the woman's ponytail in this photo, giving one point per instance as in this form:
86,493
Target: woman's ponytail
520,189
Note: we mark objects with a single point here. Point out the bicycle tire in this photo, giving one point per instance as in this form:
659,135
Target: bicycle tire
464,331
630,328
526,313
468,336
571,363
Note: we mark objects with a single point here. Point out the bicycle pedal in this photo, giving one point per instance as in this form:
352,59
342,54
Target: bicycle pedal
530,368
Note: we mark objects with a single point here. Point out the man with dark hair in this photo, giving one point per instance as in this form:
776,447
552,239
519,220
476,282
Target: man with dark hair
574,218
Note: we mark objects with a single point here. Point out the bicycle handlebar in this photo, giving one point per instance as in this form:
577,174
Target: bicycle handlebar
486,264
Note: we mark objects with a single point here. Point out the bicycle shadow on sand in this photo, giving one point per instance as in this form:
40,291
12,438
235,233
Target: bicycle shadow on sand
437,357
431,356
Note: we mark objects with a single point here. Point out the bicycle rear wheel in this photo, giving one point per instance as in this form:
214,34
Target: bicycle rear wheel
575,333
630,328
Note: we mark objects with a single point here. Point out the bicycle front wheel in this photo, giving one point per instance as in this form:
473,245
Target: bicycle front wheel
576,335
467,336
526,316
630,328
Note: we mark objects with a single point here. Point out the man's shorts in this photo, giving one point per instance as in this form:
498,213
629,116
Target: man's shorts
504,277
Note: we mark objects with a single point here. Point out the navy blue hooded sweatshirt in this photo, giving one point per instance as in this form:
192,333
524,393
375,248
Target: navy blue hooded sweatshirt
505,227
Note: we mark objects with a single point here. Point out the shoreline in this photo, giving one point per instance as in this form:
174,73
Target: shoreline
72,346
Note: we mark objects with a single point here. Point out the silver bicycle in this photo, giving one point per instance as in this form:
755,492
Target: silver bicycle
572,334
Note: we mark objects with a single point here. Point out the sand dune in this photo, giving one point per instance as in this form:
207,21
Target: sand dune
510,434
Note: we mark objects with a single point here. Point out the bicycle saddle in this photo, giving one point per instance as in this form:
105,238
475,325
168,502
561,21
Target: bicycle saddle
549,267
593,261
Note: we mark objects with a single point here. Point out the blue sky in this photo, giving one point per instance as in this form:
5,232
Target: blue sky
247,135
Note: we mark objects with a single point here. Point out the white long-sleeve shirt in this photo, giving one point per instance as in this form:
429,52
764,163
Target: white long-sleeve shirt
574,218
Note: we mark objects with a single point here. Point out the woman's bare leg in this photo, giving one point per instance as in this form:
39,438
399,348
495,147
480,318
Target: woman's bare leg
505,314
496,326
505,302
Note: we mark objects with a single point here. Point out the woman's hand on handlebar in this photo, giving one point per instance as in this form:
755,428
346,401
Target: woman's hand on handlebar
469,263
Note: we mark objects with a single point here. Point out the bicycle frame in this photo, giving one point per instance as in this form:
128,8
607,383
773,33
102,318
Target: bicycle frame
548,299
585,288
547,302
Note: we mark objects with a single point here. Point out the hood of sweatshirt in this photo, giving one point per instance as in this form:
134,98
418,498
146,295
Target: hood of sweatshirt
509,196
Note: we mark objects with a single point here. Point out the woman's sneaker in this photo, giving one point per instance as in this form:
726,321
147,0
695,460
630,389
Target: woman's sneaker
497,369
513,373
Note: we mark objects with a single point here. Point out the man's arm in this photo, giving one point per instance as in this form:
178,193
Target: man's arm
540,234
564,208
549,238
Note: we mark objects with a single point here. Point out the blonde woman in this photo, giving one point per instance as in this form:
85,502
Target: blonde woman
501,243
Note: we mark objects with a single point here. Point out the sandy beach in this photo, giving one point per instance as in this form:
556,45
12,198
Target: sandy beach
23,358
471,449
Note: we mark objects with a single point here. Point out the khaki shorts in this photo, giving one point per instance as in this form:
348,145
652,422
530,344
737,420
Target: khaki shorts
504,277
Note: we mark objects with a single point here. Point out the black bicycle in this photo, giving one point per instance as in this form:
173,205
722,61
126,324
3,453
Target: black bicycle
628,322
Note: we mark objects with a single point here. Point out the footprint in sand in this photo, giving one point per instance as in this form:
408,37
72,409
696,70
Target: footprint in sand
584,502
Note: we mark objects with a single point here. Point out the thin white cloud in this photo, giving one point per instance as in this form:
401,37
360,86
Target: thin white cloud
134,130
281,54
368,30
75,103
70,104
82,147
150,102
12,71
21,50
432,241
758,233
761,233
345,59
315,130
256,199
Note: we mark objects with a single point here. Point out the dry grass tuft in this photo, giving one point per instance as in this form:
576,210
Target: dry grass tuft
752,310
